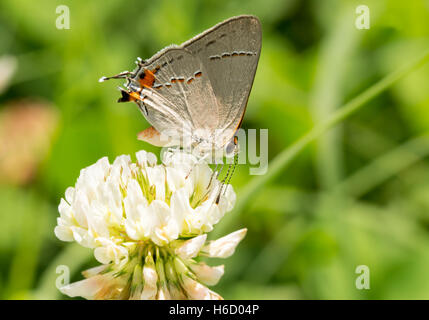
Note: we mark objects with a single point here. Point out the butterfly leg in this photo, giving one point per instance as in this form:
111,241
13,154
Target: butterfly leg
223,183
213,174
232,172
227,178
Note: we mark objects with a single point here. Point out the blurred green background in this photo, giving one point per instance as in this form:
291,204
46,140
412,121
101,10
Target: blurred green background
359,195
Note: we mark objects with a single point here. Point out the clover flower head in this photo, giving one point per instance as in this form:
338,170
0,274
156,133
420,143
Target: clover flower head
147,224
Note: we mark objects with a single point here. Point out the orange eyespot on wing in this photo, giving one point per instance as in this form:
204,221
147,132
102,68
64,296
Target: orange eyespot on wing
147,78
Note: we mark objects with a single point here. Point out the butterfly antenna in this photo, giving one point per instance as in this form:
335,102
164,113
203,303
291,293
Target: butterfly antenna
122,75
223,183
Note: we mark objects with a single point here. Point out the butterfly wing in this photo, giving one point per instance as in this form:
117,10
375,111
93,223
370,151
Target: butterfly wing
229,52
179,95
202,84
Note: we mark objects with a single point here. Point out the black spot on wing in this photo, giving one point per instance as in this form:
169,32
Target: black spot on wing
232,54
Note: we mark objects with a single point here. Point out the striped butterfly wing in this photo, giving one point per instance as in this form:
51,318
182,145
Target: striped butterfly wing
179,94
203,83
230,52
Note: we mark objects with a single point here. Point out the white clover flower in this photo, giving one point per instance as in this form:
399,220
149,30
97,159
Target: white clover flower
147,223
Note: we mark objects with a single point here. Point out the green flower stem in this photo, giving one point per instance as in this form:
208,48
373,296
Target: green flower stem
282,160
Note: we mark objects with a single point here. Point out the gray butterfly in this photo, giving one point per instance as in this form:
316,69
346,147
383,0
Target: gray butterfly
196,93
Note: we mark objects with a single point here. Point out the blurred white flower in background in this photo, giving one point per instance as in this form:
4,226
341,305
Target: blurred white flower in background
147,223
